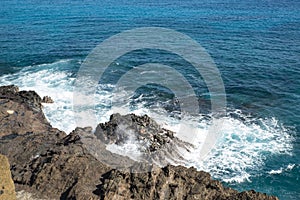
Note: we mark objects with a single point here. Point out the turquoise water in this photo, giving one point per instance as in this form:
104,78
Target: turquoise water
255,45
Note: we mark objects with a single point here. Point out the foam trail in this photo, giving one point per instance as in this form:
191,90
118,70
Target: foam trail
243,148
289,167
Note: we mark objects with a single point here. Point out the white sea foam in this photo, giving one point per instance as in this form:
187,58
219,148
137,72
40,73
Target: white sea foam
244,146
289,167
131,148
241,150
46,79
279,171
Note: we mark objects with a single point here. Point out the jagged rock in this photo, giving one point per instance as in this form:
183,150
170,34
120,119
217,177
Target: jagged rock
119,128
7,187
52,165
47,99
158,145
169,182
21,112
48,164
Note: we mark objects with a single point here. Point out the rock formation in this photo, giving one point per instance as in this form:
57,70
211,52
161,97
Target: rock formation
21,112
155,142
46,163
47,99
169,182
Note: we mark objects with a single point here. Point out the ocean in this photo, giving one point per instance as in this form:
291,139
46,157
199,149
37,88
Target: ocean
254,44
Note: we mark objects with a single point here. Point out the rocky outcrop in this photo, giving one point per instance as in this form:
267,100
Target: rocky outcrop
53,166
169,182
21,112
48,164
7,187
157,144
57,166
47,99
120,128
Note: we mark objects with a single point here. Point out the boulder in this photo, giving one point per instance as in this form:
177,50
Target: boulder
47,99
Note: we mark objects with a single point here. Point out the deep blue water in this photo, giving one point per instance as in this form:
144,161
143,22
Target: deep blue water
255,45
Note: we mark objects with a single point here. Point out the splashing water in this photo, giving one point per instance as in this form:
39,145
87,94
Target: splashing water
239,154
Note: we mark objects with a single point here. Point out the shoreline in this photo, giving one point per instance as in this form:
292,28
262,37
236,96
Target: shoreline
51,164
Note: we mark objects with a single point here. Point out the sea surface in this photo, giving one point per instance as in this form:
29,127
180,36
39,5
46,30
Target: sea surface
255,45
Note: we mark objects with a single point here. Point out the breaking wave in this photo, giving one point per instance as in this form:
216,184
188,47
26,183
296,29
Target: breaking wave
242,150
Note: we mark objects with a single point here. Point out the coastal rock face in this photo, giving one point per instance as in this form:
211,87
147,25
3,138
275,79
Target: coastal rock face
53,165
21,112
169,182
7,187
48,164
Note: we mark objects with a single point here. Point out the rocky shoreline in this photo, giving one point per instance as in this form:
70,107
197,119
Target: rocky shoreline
46,163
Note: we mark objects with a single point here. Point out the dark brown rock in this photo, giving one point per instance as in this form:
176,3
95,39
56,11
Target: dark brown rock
157,144
169,182
119,128
53,165
21,112
47,99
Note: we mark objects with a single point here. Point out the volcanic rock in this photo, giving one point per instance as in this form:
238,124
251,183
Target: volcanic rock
53,165
119,128
47,99
158,145
169,182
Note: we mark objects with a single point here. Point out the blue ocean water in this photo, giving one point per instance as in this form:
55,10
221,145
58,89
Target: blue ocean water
255,45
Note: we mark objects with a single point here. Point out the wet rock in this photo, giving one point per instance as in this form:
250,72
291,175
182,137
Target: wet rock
120,128
7,187
158,145
47,99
